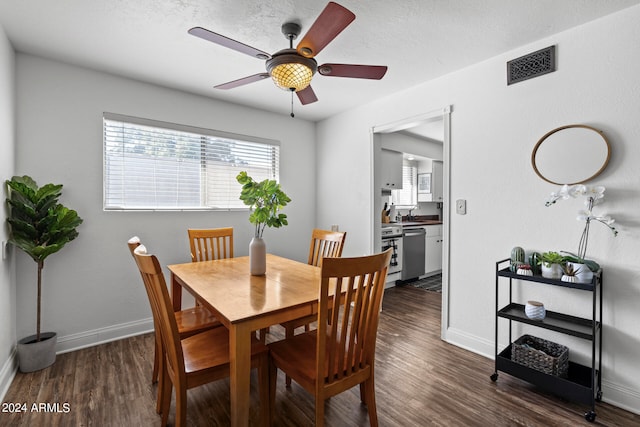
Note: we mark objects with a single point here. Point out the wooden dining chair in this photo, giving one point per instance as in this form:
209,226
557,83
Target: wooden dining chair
323,244
210,243
198,359
214,243
340,353
190,321
207,244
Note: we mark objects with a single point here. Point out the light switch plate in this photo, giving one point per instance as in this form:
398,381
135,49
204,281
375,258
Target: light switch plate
461,207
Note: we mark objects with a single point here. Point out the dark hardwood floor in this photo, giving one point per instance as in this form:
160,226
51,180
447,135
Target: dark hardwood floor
420,381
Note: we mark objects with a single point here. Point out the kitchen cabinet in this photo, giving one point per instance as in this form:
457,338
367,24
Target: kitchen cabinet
391,171
433,249
437,193
583,382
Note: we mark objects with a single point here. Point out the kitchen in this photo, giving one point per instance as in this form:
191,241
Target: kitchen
410,173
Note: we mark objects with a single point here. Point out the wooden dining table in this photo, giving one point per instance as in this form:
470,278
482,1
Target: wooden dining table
244,304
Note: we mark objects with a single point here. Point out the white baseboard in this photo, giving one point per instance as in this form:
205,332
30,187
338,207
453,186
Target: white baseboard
7,373
614,394
470,342
622,397
86,339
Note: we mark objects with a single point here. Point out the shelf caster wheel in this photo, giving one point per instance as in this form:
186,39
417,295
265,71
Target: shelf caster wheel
590,416
599,396
494,377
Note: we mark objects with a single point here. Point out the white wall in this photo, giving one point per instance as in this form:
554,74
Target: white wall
407,144
92,291
7,266
494,127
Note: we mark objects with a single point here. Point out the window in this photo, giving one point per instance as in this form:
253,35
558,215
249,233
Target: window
164,166
407,197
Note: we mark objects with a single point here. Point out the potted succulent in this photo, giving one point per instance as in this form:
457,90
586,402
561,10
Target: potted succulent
569,273
264,199
40,226
524,270
551,265
584,267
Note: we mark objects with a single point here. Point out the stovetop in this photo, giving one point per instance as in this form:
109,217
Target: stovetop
391,230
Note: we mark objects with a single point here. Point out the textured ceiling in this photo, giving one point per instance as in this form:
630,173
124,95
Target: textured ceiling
418,39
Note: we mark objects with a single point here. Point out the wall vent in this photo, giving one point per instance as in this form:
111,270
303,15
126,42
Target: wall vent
532,65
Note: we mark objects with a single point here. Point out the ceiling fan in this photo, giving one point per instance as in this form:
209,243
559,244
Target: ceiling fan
292,69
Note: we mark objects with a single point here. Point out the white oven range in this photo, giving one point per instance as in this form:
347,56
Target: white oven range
392,238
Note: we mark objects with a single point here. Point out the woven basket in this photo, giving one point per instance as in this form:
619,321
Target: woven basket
541,355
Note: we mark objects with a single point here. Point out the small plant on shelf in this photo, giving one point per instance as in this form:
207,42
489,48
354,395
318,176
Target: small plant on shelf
571,257
549,258
569,272
551,265
524,270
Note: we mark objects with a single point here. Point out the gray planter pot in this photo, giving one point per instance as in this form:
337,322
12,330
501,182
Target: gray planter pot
33,356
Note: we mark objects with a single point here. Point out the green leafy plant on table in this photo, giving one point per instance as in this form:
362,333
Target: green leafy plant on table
265,199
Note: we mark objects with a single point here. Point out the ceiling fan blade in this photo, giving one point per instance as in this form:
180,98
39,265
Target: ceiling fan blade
243,81
375,72
332,20
307,96
227,42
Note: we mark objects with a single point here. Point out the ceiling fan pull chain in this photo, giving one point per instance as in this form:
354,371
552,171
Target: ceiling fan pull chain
292,90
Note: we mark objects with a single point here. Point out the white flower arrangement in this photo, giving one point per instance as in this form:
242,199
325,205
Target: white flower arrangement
594,196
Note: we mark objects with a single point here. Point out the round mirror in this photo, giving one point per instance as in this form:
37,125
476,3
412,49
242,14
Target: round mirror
571,154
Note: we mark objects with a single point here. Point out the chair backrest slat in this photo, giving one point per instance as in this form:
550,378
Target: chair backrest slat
350,297
210,243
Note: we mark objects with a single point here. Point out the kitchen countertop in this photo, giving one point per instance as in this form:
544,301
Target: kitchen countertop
419,223
416,223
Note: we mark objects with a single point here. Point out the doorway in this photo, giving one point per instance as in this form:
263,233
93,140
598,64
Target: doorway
424,127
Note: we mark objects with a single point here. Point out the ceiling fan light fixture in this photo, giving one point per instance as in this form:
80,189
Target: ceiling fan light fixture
290,71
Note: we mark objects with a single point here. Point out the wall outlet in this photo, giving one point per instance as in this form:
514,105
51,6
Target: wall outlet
461,207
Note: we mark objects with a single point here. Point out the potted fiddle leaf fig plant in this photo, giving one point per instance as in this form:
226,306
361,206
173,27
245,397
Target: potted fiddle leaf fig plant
265,199
40,226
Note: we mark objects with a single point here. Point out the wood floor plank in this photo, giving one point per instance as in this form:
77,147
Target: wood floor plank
420,381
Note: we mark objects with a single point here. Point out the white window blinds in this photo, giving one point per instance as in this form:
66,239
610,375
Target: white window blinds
408,195
157,165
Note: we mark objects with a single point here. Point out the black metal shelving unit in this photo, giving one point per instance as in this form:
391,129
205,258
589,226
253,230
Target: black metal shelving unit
583,383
